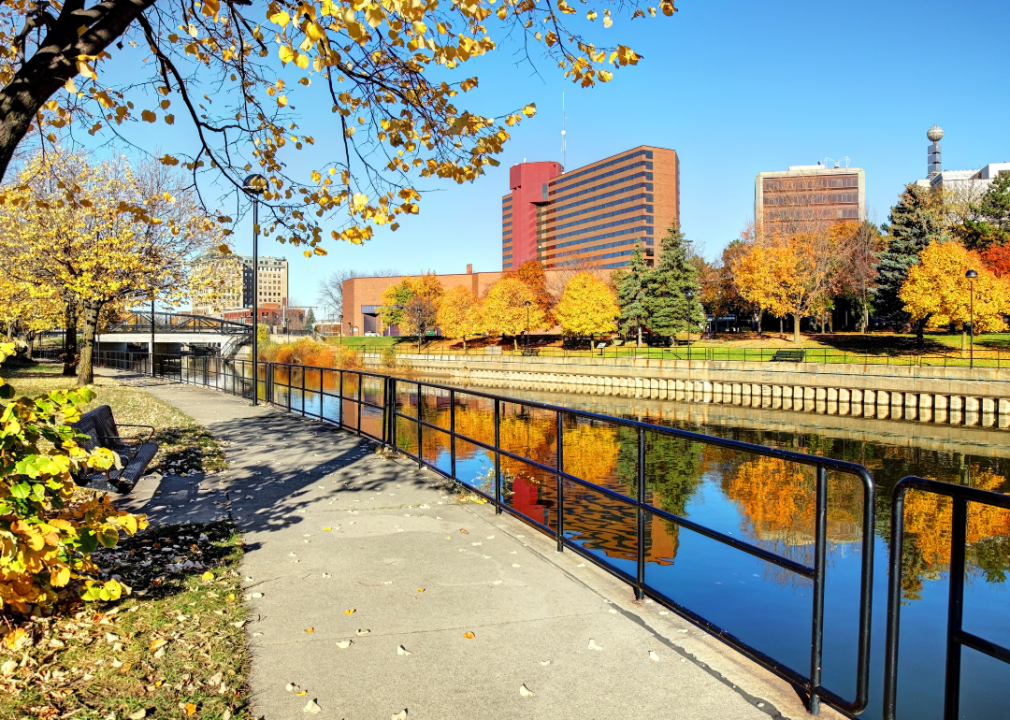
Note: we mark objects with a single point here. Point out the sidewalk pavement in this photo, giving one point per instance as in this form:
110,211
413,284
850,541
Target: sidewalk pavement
378,594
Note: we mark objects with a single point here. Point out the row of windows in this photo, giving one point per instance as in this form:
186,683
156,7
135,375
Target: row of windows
580,173
507,215
618,233
507,224
810,183
506,257
618,171
506,265
619,243
590,191
638,219
631,198
813,214
507,232
629,188
812,199
594,218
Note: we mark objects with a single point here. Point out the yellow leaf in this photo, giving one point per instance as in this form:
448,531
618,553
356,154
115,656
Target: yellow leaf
326,529
170,119
286,54
190,708
207,576
607,22
530,110
314,32
211,7
156,644
148,116
604,75
231,597
281,18
309,630
349,612
420,589
469,635
282,100
70,87
302,61
303,692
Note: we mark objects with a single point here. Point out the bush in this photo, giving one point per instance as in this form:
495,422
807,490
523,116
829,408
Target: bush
312,353
48,527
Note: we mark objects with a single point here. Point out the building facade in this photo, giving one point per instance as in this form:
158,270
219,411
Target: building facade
225,282
963,186
808,197
591,217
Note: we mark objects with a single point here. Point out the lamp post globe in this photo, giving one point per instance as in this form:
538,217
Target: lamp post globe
971,275
254,186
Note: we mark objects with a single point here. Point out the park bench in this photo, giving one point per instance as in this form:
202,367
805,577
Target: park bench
789,355
531,351
135,453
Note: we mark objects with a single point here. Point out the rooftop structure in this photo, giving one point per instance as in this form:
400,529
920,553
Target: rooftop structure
968,185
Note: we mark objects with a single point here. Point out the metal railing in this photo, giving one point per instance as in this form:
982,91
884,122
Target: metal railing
956,636
380,407
617,355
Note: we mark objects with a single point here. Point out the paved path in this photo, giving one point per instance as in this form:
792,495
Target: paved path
344,544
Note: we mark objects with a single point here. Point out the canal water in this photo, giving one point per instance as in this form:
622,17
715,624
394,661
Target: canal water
765,501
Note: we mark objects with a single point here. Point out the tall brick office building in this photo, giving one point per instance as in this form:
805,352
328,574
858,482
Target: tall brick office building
592,216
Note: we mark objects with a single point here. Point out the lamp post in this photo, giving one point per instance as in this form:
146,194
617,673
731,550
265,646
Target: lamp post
971,275
340,332
690,296
527,304
419,311
254,186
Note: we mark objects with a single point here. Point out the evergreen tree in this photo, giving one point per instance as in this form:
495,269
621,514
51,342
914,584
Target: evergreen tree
914,222
988,221
632,295
310,321
669,309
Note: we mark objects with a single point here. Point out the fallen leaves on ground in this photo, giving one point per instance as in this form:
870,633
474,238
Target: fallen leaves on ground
469,635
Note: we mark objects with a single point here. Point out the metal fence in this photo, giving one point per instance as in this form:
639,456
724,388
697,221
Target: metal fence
396,412
617,355
956,636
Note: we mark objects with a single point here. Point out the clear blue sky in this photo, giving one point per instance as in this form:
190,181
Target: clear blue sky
735,88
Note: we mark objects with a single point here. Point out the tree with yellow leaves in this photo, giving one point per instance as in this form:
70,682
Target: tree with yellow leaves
510,308
587,307
459,313
938,292
99,235
243,75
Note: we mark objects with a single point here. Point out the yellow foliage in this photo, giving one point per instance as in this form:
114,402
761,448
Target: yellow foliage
459,313
48,532
587,306
505,310
937,290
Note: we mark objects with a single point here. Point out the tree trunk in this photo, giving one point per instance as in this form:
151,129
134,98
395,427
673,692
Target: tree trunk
86,369
866,319
70,341
782,326
920,328
30,342
639,342
464,345
796,328
831,323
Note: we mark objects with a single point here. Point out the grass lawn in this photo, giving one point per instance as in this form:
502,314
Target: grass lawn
370,342
174,648
182,443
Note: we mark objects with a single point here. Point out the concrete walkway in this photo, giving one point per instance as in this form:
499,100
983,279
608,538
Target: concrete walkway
364,579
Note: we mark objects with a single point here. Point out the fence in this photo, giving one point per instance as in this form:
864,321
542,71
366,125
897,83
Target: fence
399,413
956,636
617,355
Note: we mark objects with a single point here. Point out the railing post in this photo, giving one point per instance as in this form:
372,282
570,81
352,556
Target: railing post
452,434
340,404
497,456
359,403
303,391
560,481
639,500
817,631
420,429
955,609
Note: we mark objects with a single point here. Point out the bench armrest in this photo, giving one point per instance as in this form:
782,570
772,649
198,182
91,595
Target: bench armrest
149,428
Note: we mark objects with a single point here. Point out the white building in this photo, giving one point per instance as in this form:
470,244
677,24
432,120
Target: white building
968,185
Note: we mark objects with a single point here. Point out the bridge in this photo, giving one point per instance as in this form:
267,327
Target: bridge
174,333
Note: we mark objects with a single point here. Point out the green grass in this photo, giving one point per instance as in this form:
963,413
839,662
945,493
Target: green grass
181,441
370,342
174,648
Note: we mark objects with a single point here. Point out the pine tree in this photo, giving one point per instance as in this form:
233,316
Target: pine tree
988,223
310,321
914,222
669,308
632,296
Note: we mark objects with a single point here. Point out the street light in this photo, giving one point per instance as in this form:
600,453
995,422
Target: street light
340,332
690,296
971,275
254,186
527,304
419,311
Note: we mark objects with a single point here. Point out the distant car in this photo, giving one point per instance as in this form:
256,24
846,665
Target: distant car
371,334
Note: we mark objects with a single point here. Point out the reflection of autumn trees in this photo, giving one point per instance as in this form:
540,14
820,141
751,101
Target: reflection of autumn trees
927,536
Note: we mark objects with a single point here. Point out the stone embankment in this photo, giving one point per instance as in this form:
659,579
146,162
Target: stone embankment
954,395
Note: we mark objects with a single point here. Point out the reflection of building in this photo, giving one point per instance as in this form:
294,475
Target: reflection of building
809,197
592,216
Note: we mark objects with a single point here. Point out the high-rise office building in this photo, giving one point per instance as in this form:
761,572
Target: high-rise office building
222,282
808,197
593,216
273,279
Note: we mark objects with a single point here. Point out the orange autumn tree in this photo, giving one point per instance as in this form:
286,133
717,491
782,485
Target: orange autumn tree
245,77
587,307
532,273
504,310
459,313
937,291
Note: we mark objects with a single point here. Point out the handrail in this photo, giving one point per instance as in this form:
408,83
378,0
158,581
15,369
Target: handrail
956,635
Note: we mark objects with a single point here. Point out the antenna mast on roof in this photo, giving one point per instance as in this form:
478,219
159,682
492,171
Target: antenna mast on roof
564,121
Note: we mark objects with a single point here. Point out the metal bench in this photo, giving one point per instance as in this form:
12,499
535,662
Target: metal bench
531,351
789,355
135,453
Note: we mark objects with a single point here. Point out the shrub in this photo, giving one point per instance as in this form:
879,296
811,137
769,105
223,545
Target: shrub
48,528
